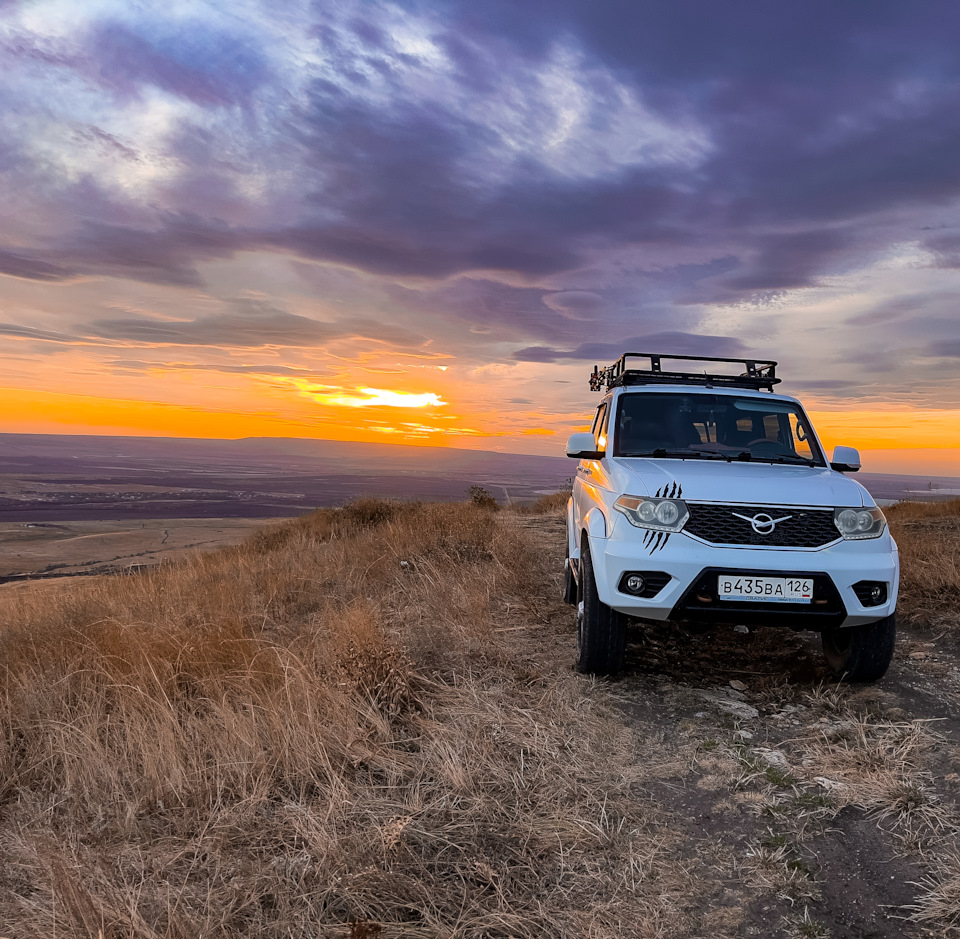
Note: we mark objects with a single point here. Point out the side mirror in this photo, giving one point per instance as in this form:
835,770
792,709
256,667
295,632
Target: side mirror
583,447
845,460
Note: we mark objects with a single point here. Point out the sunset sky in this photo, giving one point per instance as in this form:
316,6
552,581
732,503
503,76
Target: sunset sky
425,222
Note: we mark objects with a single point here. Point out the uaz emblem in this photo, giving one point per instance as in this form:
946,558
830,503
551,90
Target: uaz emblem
762,523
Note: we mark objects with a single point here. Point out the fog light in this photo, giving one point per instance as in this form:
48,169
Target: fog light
871,592
635,583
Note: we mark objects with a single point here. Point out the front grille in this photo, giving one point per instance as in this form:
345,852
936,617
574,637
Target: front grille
805,528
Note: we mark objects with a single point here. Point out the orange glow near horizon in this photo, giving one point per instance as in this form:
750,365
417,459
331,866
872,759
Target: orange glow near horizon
895,440
43,412
909,442
888,429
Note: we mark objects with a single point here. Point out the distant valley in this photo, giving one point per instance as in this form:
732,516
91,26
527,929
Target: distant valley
79,478
59,478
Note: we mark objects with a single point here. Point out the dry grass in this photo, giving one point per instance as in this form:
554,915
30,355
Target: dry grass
928,535
555,503
880,767
319,733
911,511
938,906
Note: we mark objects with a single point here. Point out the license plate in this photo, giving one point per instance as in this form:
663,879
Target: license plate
766,589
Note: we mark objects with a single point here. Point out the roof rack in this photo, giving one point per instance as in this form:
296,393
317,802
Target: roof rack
756,374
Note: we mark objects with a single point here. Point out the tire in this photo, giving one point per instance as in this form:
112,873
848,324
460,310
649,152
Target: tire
601,631
861,653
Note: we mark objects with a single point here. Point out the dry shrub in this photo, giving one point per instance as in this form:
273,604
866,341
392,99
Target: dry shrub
317,733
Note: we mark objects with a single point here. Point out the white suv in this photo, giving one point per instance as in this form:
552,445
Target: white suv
706,499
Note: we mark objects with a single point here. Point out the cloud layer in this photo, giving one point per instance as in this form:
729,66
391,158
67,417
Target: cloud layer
521,188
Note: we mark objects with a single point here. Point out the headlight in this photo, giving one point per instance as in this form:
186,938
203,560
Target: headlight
857,524
657,514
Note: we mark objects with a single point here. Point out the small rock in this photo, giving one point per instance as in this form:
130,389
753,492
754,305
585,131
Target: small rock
737,685
829,783
919,655
738,709
729,705
838,730
775,758
743,630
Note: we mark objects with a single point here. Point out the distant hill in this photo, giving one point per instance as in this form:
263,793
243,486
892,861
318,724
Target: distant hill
54,452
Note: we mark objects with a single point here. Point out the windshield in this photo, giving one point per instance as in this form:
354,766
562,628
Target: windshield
714,427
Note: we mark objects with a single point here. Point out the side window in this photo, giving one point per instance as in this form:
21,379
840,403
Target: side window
603,436
600,426
597,418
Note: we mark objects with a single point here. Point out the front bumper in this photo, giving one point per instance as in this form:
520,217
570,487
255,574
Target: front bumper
691,564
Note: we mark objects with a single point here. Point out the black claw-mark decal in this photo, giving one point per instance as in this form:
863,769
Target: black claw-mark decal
669,491
657,540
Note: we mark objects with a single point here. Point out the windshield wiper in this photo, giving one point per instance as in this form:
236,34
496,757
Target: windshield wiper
801,460
682,454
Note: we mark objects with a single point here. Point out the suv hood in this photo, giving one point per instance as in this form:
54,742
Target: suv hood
750,483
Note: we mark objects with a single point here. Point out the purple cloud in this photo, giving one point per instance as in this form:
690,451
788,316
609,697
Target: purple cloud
664,343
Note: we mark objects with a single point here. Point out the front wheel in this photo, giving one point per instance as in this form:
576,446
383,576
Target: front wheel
601,630
861,653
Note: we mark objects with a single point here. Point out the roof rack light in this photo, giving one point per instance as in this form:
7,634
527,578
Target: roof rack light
757,374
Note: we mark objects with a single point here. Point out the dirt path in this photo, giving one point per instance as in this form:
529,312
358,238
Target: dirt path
804,808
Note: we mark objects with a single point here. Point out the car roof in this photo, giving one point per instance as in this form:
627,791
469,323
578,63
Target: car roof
699,390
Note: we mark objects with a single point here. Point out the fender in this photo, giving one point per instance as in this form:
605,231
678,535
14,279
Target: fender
595,527
595,524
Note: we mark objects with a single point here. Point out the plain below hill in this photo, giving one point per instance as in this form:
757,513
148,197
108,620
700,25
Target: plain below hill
56,478
74,478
